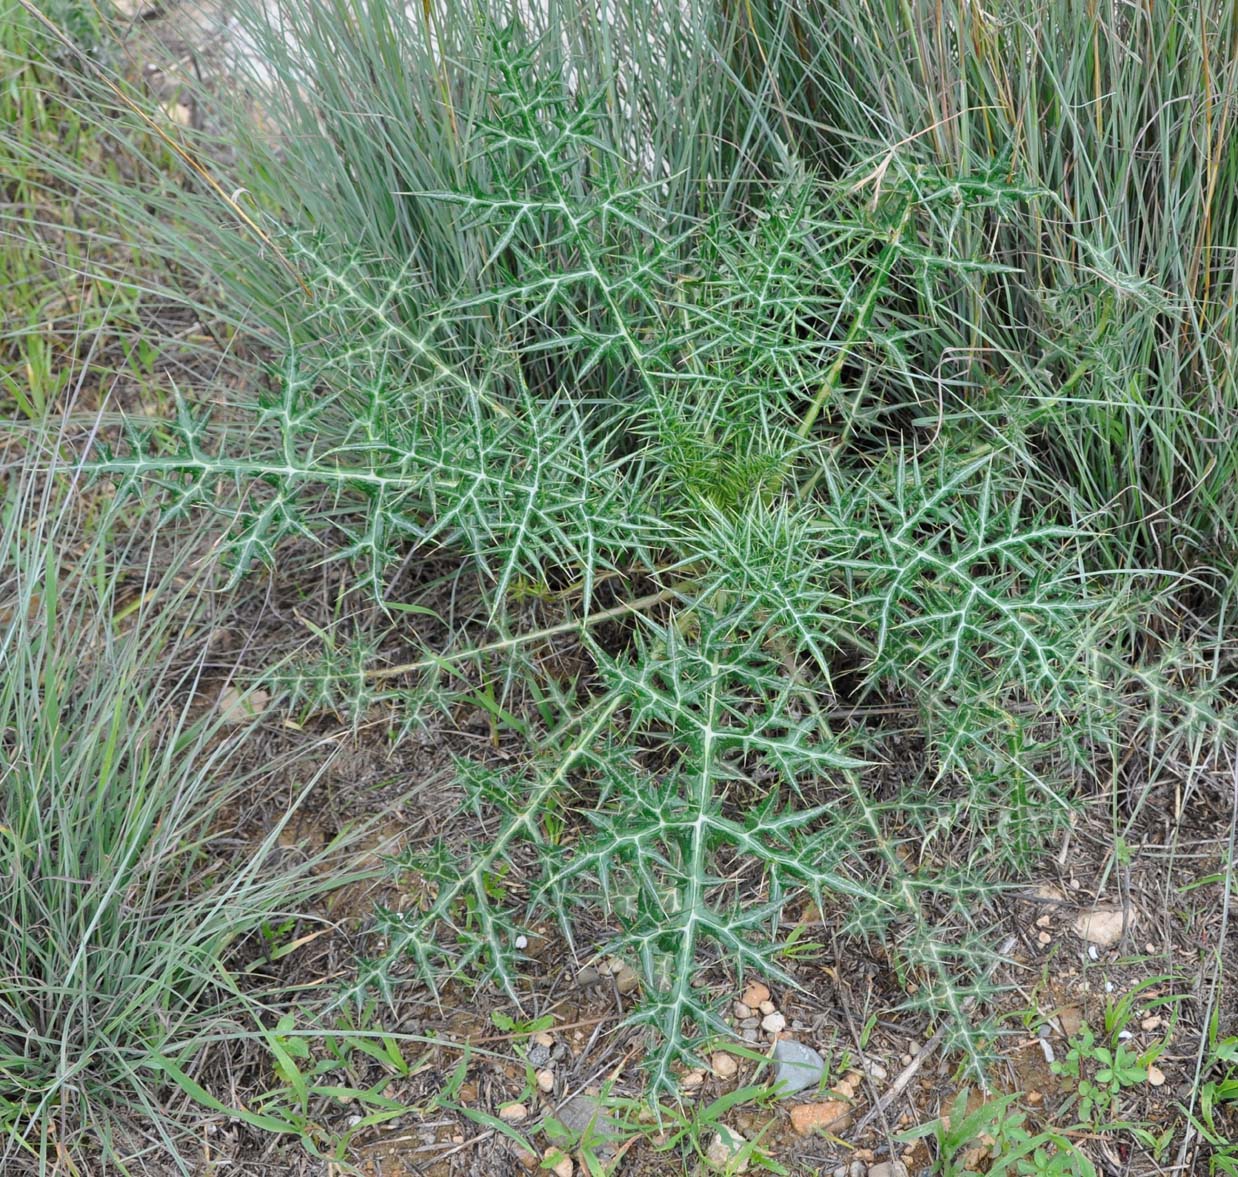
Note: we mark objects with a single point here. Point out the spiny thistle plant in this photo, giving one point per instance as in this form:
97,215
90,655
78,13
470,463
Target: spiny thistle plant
750,415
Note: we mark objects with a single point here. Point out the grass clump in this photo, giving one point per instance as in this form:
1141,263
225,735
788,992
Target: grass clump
800,391
121,783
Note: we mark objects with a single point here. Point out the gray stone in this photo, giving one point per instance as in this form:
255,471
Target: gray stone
538,1055
888,1169
590,1125
799,1066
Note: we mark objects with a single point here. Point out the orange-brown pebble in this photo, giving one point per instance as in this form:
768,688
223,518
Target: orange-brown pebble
755,994
833,1115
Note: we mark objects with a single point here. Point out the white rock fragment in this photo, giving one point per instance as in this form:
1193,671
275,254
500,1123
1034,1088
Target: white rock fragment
773,1023
1104,926
239,706
724,1149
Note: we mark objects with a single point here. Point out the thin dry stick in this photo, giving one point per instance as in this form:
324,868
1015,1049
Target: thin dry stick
181,151
620,610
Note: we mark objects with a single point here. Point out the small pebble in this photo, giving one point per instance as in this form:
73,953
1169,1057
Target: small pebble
626,980
528,1160
905,1060
537,1056
1043,922
755,994
742,1011
913,1047
874,1070
1150,1023
544,1038
773,1023
797,1067
889,1169
767,1007
833,1116
692,1079
1156,1076
1043,939
750,1023
724,1065
558,1162
722,1150
748,1033
546,1081
510,1113
522,941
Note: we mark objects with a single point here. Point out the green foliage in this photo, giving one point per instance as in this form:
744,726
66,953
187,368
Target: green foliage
994,1138
756,398
124,905
1100,1074
1215,1113
790,400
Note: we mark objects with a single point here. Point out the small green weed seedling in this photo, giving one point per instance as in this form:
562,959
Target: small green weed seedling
689,1130
994,1138
1100,1074
310,1083
1216,1119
